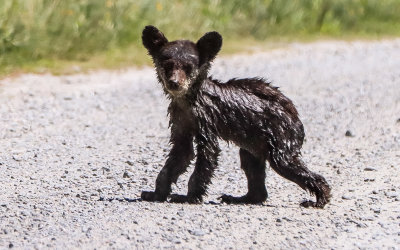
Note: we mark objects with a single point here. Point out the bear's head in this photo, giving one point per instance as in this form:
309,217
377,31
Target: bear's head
180,63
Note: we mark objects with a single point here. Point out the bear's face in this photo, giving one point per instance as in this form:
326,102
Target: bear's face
179,63
178,66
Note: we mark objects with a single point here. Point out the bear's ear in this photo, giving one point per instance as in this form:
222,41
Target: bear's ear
153,39
209,46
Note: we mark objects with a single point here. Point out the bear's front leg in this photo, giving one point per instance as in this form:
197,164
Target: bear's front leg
206,162
178,160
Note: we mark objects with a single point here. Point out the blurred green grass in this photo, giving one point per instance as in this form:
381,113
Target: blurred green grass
41,35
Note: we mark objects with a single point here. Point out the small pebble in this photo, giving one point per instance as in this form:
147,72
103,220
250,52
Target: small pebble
349,133
376,210
16,158
391,194
197,232
362,225
346,197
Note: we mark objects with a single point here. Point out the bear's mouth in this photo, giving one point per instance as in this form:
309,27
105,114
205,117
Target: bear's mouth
179,91
173,85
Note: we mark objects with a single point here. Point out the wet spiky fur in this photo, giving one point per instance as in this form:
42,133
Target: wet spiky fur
247,112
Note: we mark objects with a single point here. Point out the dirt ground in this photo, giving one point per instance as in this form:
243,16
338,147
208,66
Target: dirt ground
76,151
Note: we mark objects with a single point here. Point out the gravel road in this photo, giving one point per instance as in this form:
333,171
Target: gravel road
76,151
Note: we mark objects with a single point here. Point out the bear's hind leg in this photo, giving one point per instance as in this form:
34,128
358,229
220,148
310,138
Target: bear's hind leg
294,169
254,169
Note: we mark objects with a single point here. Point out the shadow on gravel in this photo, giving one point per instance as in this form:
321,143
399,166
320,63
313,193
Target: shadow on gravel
120,199
125,199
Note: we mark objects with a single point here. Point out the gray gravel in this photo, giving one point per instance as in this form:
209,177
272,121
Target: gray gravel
76,151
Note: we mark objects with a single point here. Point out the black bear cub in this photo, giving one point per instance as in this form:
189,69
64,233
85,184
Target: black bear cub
248,112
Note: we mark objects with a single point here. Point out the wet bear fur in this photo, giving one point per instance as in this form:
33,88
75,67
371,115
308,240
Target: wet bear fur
249,112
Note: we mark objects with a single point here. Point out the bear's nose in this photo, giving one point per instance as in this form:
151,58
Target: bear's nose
173,84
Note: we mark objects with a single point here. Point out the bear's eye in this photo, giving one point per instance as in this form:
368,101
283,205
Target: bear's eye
164,58
187,68
168,65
